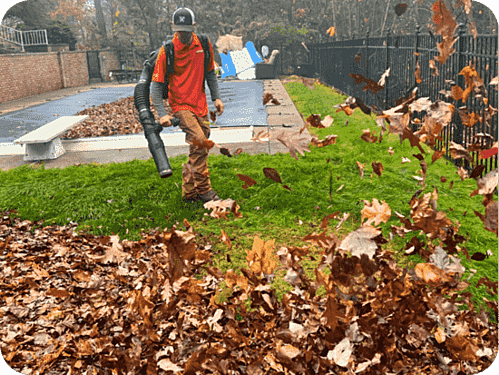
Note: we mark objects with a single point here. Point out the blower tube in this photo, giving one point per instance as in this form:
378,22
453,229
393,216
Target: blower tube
151,127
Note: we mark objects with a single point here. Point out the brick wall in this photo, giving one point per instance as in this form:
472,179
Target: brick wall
27,74
74,69
108,61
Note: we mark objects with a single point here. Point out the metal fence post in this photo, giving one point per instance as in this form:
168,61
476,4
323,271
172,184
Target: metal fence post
332,67
415,62
386,67
366,62
321,54
367,54
458,133
416,48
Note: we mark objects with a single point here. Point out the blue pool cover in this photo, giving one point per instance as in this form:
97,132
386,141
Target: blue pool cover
243,105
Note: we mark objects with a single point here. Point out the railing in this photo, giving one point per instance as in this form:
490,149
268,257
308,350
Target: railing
23,38
371,57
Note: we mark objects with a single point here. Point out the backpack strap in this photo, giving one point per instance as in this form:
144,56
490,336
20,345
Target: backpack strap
206,48
170,56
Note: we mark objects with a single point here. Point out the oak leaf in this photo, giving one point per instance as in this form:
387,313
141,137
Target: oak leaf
375,212
294,143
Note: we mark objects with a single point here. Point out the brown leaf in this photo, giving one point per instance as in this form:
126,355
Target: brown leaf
368,137
437,155
361,241
331,313
325,221
294,143
375,212
434,68
417,73
422,104
488,183
272,174
248,181
267,97
456,92
330,139
261,258
431,274
59,293
478,256
220,208
370,84
400,9
377,168
225,238
113,254
206,143
468,119
361,169
315,121
309,82
446,26
225,151
457,151
261,134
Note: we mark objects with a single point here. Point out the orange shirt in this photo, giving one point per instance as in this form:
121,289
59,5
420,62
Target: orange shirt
186,91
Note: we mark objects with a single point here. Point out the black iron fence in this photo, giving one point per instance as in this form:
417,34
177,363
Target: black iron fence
371,57
293,58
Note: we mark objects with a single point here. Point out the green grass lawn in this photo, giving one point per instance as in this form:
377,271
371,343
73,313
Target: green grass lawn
130,197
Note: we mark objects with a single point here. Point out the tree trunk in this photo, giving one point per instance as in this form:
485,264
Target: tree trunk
101,24
350,20
357,18
334,17
386,14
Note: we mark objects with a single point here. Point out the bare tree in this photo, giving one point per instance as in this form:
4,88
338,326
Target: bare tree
101,24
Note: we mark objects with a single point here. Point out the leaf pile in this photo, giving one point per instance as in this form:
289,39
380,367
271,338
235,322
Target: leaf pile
79,303
117,118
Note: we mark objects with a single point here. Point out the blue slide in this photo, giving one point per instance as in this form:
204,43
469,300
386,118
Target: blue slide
255,56
228,66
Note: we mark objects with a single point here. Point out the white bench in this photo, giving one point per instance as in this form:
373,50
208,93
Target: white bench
45,142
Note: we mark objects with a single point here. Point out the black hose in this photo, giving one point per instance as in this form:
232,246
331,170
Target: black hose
141,96
151,127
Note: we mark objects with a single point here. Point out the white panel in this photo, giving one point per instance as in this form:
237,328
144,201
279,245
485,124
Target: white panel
242,60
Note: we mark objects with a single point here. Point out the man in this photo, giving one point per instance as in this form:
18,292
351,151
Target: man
187,98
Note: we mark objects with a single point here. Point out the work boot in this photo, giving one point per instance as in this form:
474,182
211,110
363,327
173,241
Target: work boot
193,199
209,196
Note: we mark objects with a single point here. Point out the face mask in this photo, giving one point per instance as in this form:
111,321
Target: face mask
186,39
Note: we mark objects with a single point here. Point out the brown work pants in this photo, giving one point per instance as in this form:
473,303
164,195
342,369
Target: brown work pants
195,178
